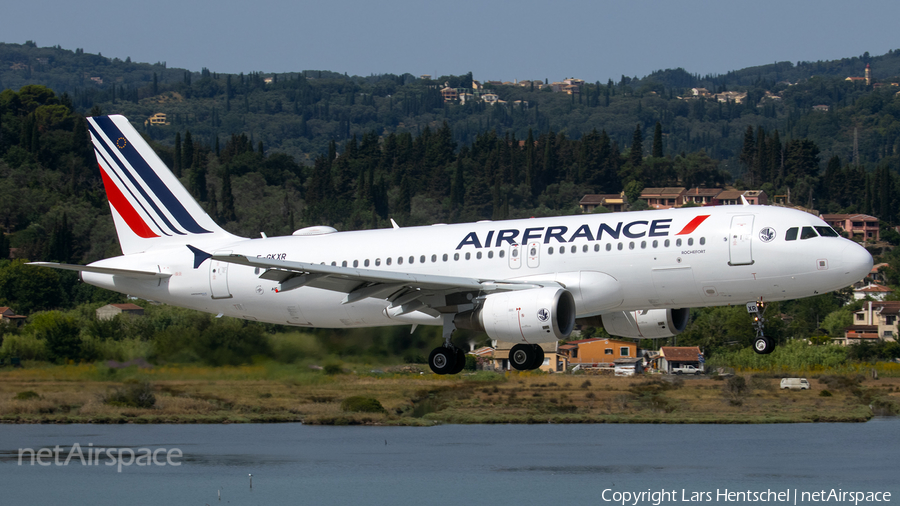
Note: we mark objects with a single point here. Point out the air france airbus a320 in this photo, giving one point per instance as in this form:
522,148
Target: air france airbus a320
523,281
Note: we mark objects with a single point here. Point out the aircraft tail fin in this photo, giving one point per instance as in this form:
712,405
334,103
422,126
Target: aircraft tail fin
149,205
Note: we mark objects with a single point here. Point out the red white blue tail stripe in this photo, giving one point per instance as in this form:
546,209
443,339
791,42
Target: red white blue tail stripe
149,206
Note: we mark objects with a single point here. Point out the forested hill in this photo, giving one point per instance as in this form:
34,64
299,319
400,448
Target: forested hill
300,113
316,147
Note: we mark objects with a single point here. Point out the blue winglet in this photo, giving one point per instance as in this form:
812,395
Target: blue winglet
199,256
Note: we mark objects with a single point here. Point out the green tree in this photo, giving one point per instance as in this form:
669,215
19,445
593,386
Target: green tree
636,157
657,141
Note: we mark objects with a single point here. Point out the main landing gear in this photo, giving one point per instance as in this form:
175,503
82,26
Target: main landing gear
447,359
524,357
761,344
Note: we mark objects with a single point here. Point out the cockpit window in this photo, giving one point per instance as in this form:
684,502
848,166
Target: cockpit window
791,234
808,233
827,232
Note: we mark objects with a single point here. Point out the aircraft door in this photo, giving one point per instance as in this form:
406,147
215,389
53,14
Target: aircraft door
740,239
515,256
534,255
218,277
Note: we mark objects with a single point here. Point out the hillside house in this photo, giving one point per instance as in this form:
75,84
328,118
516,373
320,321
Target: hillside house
731,96
109,311
663,198
671,357
701,196
597,352
158,119
614,202
872,291
449,94
9,317
875,321
855,224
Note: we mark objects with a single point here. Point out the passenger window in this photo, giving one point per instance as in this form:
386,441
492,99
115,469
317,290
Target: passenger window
631,245
609,246
491,254
534,251
456,256
334,264
444,258
827,232
574,249
399,260
344,263
377,262
596,247
791,234
478,255
655,243
468,256
502,253
808,233
643,244
678,242
366,263
666,244
584,249
690,241
412,260
388,261
433,258
562,249
702,241
619,247
422,259
356,263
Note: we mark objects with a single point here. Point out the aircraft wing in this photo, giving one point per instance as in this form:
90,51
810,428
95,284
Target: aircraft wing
431,294
128,273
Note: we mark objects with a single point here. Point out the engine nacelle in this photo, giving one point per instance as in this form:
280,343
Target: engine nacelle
538,315
646,324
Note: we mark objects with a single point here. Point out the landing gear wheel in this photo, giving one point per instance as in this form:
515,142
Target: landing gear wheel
763,345
538,356
442,360
521,357
460,361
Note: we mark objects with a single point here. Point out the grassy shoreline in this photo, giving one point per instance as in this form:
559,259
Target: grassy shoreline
268,393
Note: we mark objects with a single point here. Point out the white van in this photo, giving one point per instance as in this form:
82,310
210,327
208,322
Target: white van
794,383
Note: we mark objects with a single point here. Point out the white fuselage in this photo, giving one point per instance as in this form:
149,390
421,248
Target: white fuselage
610,262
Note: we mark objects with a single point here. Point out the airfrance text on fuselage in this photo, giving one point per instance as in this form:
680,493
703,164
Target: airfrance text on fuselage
561,234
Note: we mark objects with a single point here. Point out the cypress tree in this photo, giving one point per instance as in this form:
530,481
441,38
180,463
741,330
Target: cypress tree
187,153
637,149
657,141
177,162
228,213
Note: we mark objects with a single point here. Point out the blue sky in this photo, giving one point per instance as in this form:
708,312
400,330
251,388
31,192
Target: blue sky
592,40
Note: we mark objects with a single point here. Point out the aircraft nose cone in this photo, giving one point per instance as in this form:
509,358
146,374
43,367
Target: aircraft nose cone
857,262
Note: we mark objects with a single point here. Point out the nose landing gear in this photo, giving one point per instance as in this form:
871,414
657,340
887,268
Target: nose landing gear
761,344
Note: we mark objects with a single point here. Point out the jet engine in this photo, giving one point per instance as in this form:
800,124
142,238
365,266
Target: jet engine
537,315
647,323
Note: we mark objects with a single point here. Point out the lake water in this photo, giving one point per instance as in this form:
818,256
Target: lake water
454,464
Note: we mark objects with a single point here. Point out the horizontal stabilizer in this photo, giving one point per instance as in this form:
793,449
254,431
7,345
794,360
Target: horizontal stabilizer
127,273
